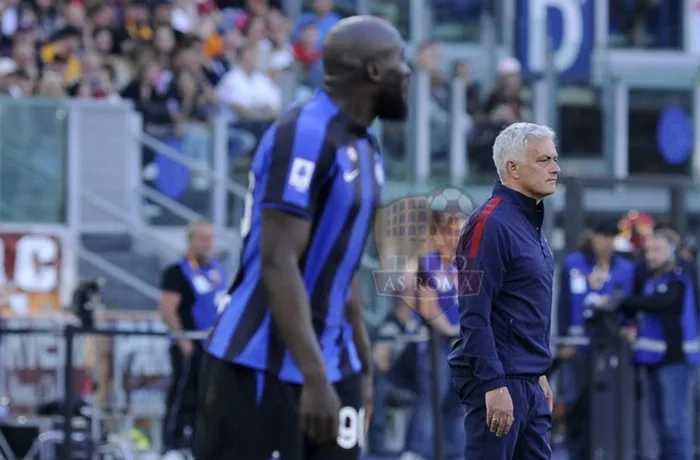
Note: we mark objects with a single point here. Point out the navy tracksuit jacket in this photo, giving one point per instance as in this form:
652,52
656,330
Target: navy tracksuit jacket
505,321
505,325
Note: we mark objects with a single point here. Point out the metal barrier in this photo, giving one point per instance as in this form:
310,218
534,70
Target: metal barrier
70,332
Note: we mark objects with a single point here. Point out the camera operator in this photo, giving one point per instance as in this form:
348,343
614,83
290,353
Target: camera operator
589,276
190,292
666,346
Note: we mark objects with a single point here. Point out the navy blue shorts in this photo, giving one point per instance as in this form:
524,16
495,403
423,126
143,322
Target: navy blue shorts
528,439
247,414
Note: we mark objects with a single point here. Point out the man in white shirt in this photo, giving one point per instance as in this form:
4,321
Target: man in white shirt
253,97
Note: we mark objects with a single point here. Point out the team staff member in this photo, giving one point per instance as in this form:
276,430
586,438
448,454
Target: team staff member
289,355
190,291
667,344
502,355
588,277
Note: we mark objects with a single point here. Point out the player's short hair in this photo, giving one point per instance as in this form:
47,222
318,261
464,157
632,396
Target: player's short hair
511,143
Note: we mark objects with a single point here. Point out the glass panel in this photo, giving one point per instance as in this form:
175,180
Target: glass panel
580,122
344,8
396,13
190,187
646,24
660,132
33,159
456,20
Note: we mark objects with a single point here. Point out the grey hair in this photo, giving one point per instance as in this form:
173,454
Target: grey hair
511,144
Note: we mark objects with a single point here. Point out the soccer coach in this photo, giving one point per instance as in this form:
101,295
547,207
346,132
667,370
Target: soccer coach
502,355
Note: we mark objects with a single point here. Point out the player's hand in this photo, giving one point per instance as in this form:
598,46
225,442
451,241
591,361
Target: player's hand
319,410
368,398
186,347
499,411
548,393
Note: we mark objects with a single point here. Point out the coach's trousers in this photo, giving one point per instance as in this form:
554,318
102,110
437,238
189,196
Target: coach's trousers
528,439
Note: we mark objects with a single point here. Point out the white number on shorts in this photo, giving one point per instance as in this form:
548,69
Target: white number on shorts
247,219
352,427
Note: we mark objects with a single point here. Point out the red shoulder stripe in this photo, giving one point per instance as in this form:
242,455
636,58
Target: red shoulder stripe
480,225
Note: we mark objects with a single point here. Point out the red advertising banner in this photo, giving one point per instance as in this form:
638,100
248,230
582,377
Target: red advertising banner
133,368
126,367
30,273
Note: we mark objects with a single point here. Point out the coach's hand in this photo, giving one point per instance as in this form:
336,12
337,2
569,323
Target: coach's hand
320,409
499,411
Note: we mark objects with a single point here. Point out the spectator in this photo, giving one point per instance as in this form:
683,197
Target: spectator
24,56
91,84
164,44
198,98
253,97
462,69
60,53
47,18
135,27
505,104
255,33
217,67
51,85
429,60
308,54
162,12
20,84
103,41
153,95
323,16
101,15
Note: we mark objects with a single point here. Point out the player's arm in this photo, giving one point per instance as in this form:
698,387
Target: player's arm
296,174
482,248
359,330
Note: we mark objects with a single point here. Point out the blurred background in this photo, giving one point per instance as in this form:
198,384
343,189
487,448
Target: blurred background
123,121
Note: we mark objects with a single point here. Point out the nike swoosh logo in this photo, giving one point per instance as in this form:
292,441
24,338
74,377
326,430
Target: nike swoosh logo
350,176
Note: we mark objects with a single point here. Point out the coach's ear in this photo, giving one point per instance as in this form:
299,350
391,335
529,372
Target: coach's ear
374,71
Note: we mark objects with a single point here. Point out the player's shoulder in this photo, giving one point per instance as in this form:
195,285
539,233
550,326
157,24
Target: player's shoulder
308,119
491,216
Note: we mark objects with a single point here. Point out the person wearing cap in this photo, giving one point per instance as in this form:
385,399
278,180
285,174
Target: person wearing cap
590,276
666,346
505,104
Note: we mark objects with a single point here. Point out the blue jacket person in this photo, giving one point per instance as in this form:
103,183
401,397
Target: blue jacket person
190,291
591,276
667,344
502,355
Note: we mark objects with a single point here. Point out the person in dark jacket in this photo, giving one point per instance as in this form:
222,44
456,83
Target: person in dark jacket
590,276
667,345
505,272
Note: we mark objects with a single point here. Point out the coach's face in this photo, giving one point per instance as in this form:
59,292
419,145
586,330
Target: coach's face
540,169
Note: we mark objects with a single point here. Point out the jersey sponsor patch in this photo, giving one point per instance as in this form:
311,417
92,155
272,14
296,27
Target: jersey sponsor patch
301,174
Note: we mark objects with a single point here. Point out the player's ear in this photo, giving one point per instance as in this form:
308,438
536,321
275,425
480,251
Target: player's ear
373,71
512,168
